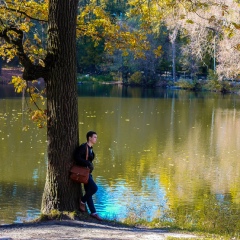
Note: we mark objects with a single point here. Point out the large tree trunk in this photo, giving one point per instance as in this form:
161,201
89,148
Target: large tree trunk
62,130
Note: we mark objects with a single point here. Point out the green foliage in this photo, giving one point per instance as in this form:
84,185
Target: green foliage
95,78
103,78
218,86
214,84
194,85
84,78
209,218
209,237
53,215
89,55
61,215
212,75
116,8
177,238
135,78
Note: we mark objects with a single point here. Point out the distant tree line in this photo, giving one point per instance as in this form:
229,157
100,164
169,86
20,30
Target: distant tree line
180,44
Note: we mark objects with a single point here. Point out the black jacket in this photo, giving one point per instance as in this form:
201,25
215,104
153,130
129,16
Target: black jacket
80,156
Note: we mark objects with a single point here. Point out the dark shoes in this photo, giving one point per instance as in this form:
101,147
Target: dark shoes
96,216
82,206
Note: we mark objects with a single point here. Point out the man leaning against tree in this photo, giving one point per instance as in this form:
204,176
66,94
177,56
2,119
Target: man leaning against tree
84,156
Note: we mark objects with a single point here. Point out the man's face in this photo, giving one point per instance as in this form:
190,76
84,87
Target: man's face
93,139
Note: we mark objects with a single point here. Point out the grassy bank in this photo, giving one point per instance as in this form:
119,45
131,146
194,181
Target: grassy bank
206,233
176,227
210,85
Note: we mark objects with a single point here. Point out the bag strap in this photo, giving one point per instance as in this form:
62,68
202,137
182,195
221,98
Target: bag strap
87,151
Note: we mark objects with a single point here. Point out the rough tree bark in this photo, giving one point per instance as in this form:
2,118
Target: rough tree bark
62,128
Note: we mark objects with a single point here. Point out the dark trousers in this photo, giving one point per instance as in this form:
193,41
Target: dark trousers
90,189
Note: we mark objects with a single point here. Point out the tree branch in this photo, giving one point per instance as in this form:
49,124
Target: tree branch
31,71
24,13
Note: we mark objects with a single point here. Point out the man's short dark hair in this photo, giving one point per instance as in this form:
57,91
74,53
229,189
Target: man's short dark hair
90,134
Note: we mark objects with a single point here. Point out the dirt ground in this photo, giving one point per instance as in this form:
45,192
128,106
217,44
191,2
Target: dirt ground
72,229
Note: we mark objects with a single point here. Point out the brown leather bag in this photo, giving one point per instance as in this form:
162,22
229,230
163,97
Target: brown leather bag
80,174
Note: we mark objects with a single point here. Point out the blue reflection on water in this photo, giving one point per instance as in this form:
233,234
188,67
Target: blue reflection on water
29,215
35,176
120,200
14,190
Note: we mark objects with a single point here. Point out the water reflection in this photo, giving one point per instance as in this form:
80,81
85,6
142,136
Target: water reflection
118,201
160,154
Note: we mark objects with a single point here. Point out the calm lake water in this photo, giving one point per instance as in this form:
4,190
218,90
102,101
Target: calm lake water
160,154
